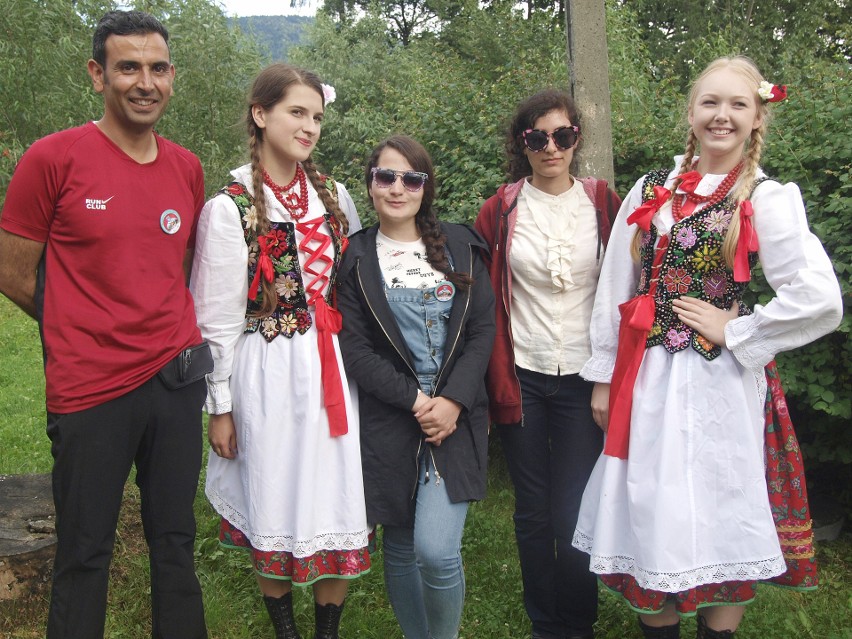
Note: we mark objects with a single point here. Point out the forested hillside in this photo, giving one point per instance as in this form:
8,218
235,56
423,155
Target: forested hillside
275,35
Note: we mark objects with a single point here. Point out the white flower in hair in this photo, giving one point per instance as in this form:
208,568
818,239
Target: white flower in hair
329,93
765,90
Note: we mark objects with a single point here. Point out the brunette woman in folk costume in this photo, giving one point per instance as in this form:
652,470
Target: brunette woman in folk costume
285,467
684,512
418,324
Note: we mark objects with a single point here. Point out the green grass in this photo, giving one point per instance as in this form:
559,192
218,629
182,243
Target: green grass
493,608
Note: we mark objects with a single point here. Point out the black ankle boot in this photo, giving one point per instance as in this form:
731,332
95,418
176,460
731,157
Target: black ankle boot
708,633
281,612
662,632
328,620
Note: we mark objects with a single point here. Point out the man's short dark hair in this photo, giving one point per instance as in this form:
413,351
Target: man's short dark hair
123,23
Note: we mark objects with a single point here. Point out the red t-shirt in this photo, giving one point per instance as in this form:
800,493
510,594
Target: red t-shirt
116,305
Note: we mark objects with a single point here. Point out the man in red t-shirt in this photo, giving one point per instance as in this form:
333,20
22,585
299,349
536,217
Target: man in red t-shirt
95,235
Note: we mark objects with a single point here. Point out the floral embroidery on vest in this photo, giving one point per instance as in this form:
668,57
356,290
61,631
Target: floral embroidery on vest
693,265
291,315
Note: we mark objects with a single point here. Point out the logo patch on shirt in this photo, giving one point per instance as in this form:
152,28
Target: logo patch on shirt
170,221
94,204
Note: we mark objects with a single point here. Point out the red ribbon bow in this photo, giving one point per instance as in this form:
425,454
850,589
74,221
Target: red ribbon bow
746,243
264,265
645,213
689,181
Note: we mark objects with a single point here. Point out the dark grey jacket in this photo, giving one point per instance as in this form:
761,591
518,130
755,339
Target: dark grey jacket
377,358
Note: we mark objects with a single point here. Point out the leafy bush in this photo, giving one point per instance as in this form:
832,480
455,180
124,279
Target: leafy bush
808,144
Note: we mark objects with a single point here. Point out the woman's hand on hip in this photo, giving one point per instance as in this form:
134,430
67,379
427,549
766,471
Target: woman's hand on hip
704,317
222,435
600,405
437,418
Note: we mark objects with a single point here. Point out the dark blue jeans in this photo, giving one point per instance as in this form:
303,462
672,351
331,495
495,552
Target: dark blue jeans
550,458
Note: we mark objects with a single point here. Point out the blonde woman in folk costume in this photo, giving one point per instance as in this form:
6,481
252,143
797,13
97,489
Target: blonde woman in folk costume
677,515
285,467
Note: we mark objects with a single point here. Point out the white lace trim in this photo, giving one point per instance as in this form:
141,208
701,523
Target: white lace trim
761,384
682,580
598,369
218,399
277,543
744,341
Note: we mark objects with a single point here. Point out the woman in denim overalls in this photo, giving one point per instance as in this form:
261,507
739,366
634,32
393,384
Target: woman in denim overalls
418,327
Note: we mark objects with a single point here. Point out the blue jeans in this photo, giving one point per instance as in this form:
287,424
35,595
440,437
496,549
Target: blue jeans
423,565
550,458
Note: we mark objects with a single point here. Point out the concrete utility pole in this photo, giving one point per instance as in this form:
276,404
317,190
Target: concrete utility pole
589,67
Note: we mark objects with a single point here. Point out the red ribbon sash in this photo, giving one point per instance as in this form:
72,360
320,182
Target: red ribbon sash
328,321
746,243
637,317
264,266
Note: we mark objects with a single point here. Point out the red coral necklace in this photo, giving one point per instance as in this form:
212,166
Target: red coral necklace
690,180
295,202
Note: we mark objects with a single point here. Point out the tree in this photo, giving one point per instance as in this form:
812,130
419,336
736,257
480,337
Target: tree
405,18
453,88
772,32
44,87
454,91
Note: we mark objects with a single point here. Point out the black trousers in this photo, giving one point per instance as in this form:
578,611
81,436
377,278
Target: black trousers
550,459
93,451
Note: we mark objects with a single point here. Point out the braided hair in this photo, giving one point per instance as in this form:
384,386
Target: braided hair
751,157
427,223
268,89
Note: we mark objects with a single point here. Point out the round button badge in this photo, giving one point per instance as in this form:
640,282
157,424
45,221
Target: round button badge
170,221
445,291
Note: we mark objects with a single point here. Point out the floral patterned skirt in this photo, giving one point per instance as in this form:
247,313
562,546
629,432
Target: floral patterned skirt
302,571
645,601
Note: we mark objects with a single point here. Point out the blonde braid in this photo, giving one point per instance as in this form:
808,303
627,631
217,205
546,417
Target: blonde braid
325,195
688,155
270,295
751,163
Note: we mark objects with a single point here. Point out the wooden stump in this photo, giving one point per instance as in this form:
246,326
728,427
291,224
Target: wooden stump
27,533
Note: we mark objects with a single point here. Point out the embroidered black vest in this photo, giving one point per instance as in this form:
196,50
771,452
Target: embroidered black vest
692,265
291,314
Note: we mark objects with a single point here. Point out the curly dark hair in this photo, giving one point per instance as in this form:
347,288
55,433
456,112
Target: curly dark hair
526,114
426,221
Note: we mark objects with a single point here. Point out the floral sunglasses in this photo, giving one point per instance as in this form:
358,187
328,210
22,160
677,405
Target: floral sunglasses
564,138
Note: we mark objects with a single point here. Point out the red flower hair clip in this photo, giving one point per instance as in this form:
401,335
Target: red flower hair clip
769,92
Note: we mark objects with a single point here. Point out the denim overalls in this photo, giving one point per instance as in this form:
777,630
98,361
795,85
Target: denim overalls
422,319
427,599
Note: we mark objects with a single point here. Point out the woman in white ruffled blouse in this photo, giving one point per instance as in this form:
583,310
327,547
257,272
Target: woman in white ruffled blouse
547,231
